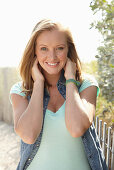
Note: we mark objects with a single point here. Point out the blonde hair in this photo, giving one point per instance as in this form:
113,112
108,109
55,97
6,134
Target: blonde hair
28,58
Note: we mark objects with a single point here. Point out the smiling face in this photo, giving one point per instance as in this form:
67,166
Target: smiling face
51,51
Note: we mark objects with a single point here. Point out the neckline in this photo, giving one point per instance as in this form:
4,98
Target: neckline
57,110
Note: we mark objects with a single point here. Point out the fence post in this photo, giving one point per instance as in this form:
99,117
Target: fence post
106,141
100,130
104,138
97,124
112,157
108,147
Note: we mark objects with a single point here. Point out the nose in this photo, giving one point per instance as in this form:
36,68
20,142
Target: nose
52,54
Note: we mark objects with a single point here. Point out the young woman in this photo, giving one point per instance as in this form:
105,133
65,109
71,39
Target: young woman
54,105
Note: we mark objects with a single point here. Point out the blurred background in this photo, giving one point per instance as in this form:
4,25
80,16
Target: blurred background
91,23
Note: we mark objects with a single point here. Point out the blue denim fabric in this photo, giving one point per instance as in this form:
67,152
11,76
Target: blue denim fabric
90,139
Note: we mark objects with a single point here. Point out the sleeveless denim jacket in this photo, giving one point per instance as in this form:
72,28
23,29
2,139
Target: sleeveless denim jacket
90,139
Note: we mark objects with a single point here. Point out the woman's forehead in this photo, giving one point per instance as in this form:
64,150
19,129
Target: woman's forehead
51,36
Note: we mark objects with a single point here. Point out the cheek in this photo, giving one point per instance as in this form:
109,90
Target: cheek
41,64
63,60
40,58
64,56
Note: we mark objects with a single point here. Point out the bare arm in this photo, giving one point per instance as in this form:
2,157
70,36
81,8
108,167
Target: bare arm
80,108
28,117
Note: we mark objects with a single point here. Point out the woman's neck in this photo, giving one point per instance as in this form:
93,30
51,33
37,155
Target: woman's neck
52,79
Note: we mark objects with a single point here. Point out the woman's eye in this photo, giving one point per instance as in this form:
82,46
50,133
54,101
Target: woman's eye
60,48
43,48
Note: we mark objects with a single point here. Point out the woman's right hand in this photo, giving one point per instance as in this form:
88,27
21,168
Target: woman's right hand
36,71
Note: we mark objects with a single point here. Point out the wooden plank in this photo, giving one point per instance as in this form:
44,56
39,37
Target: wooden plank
112,155
104,138
108,147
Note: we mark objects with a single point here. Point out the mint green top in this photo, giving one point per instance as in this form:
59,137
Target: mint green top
58,149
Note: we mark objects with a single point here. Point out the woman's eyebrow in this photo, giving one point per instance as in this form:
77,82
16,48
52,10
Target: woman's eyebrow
55,45
42,45
61,44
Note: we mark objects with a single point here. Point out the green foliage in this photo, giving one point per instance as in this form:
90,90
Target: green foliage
105,57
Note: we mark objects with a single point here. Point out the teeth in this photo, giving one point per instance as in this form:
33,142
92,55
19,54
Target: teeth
52,64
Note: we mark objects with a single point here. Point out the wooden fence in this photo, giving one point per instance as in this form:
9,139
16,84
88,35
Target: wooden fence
106,137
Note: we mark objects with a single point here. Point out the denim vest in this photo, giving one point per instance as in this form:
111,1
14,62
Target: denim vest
90,138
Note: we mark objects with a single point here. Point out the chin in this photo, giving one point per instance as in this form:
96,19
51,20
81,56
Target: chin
52,72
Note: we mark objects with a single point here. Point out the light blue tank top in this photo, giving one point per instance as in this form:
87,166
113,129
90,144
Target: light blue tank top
58,149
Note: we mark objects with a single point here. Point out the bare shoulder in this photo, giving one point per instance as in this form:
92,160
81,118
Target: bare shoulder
89,88
18,100
89,93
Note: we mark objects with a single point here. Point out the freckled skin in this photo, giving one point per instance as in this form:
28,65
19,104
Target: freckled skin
51,48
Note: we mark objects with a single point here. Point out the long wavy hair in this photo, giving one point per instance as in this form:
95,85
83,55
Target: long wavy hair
28,58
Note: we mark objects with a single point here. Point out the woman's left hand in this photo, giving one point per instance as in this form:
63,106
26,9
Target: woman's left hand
70,69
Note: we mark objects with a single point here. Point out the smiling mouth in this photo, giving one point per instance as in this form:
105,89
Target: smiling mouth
52,64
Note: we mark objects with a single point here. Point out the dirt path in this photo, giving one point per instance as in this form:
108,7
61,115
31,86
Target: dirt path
9,147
